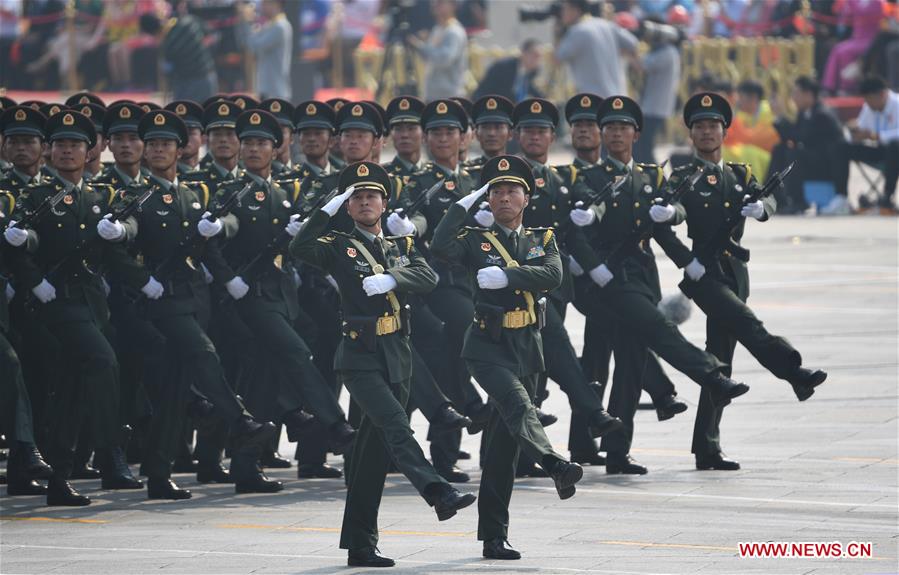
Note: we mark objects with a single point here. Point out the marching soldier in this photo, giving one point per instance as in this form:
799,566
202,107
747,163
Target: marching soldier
191,114
535,121
120,130
404,122
622,280
468,134
265,300
22,130
374,359
492,117
219,119
716,279
514,267
336,155
283,111
160,234
53,264
96,113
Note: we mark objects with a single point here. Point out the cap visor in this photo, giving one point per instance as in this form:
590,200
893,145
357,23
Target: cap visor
493,119
315,124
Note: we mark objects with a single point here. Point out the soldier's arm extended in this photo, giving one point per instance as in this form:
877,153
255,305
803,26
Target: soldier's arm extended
446,243
415,277
673,247
309,246
545,277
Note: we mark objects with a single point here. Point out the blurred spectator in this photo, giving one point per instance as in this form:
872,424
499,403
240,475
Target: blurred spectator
513,77
10,14
350,21
661,76
188,61
864,16
445,53
813,141
875,139
751,136
90,29
592,48
272,45
473,16
882,57
130,25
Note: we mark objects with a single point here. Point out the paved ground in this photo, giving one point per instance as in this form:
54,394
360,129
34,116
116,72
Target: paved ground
825,470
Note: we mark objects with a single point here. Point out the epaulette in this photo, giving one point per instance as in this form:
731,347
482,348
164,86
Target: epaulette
659,172
203,188
410,240
547,233
475,229
736,166
12,200
327,239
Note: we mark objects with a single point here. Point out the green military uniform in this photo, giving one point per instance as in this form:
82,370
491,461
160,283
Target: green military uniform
489,109
220,114
722,291
374,358
192,114
503,348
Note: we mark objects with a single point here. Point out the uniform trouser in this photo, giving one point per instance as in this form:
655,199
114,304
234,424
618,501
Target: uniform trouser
513,428
166,430
631,358
301,382
424,393
93,386
384,434
728,321
15,405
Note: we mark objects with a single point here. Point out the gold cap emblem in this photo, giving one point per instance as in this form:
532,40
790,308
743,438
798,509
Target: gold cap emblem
241,103
84,100
159,120
125,112
536,108
706,101
491,104
145,107
585,102
68,120
181,109
503,165
362,171
617,104
311,110
442,108
223,110
404,104
275,107
338,105
357,110
20,115
255,119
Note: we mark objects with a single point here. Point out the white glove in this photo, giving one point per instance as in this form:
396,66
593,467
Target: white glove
601,275
378,284
754,210
207,228
492,277
10,292
44,291
580,216
575,268
14,235
237,288
332,206
661,214
294,226
153,289
207,277
400,225
483,216
472,198
695,270
110,231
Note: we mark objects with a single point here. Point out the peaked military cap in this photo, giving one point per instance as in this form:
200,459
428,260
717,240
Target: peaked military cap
620,109
404,110
492,109
95,112
76,100
189,111
535,112
381,112
6,102
314,114
221,114
365,176
244,102
466,105
22,120
444,112
582,107
337,103
508,169
360,115
34,104
122,118
259,124
163,125
71,125
281,109
707,106
52,109
214,98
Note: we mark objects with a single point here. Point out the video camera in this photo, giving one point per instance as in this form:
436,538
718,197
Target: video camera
539,14
658,33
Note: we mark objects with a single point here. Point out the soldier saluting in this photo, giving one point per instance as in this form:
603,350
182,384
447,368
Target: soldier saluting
374,360
513,267
716,279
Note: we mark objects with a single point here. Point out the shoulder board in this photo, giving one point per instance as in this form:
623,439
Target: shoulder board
12,200
654,167
296,189
327,239
547,233
475,229
336,233
409,240
738,167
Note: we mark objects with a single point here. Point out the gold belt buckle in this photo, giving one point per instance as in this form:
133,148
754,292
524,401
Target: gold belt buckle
387,325
515,319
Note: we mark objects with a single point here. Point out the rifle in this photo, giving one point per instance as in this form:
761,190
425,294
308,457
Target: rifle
420,201
723,240
32,218
595,198
644,231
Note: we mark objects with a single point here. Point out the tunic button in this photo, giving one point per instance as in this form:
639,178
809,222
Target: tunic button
533,207
58,225
706,204
164,224
552,207
636,204
556,224
82,226
614,204
253,219
726,204
518,292
185,224
638,222
518,309
275,221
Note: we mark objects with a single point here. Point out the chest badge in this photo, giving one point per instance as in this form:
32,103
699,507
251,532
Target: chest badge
167,198
68,200
540,182
351,252
260,196
485,246
712,179
451,186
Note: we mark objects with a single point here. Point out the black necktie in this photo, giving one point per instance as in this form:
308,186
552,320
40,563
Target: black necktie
380,251
513,239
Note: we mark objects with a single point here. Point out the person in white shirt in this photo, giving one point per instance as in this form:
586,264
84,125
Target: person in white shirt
875,139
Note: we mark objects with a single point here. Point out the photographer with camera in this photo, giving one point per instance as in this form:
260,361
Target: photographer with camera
593,49
445,53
